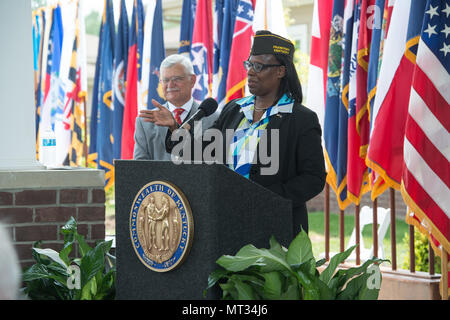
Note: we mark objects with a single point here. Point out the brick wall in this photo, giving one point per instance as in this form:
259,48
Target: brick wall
317,203
39,213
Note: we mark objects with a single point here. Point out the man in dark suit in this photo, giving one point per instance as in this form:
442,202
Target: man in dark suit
177,79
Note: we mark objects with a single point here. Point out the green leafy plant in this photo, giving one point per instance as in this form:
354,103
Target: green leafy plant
421,253
280,273
57,276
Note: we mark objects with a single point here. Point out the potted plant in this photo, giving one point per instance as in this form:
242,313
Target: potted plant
57,276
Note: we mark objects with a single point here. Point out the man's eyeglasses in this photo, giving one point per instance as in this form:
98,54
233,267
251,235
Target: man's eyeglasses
175,80
258,67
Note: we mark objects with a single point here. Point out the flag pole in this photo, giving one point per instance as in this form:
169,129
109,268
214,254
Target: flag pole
444,274
327,221
265,15
85,149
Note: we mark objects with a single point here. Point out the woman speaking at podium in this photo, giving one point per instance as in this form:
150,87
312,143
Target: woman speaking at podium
275,105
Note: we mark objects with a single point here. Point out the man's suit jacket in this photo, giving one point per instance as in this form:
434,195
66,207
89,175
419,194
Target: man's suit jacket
149,139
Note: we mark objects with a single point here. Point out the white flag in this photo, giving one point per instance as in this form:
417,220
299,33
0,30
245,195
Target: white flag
62,117
269,15
143,85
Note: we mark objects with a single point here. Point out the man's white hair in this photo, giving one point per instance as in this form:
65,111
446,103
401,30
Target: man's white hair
10,272
174,59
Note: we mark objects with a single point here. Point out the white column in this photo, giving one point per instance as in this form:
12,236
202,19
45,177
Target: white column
17,108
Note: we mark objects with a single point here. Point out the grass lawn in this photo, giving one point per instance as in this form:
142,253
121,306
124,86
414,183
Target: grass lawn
317,236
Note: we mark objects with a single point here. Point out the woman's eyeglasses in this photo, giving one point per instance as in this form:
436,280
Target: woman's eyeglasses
258,67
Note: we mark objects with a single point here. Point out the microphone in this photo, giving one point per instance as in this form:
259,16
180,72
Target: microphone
206,108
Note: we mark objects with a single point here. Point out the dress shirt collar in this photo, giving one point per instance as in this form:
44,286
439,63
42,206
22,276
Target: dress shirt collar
187,107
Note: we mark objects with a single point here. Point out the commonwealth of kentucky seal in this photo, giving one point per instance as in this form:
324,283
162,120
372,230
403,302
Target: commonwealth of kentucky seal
161,226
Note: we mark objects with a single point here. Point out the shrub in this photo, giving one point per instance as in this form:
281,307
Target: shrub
280,273
421,253
55,276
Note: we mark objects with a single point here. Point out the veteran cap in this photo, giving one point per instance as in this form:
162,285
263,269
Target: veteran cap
266,42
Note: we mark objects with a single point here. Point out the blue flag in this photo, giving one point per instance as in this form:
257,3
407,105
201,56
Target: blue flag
187,25
217,34
157,55
134,75
56,86
229,17
372,74
119,78
416,14
140,36
335,123
40,28
36,41
105,113
93,156
56,35
54,93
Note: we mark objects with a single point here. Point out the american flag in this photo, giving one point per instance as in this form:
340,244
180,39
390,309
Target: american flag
426,169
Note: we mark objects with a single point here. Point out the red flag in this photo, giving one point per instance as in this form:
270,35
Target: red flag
387,14
359,125
357,172
385,154
133,76
240,50
202,50
362,109
318,67
376,181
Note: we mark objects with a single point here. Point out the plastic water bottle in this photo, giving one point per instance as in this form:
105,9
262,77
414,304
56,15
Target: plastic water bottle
47,148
